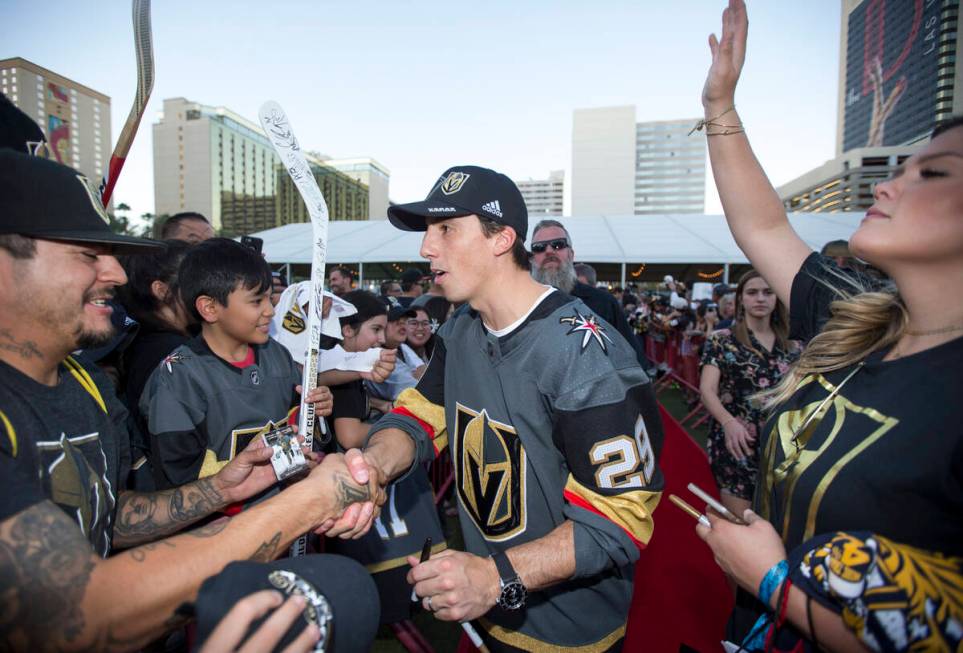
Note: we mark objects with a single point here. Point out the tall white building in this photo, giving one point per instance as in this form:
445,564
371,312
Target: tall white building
670,167
603,161
74,118
621,167
544,196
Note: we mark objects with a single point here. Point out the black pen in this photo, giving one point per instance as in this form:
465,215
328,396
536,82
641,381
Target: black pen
425,554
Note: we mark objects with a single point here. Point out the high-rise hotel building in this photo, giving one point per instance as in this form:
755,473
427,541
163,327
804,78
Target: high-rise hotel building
75,119
212,160
899,74
624,167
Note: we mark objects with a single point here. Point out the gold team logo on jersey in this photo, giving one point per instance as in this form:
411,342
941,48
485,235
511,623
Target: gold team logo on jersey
453,182
490,466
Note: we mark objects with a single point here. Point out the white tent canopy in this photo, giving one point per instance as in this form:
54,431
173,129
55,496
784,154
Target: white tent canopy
652,239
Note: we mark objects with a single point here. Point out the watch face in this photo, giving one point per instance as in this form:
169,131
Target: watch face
513,595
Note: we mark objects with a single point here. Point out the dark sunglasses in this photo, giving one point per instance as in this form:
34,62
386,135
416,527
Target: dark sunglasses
557,245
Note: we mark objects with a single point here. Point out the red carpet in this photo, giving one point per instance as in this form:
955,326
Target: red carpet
681,595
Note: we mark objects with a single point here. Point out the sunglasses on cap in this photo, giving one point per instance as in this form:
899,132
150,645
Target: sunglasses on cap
557,245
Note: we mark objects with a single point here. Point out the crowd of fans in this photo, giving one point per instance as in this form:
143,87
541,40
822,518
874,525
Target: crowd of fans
151,392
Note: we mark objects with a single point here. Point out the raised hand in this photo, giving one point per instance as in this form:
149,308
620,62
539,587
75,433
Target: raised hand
728,56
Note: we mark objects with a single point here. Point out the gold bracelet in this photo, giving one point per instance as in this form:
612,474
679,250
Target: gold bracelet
707,121
729,129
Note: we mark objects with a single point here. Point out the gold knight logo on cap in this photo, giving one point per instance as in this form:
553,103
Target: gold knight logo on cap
453,182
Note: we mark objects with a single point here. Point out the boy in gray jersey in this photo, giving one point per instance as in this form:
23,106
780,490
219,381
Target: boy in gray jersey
553,427
206,401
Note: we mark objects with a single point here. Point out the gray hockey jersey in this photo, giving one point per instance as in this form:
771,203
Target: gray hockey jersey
554,421
201,410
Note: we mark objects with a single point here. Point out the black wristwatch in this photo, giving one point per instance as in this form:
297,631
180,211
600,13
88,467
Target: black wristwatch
513,591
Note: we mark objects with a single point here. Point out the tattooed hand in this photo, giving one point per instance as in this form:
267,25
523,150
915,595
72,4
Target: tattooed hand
357,491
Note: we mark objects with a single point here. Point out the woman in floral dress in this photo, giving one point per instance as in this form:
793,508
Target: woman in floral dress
737,363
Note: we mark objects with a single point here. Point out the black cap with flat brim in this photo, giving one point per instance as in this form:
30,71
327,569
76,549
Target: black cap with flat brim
462,191
45,199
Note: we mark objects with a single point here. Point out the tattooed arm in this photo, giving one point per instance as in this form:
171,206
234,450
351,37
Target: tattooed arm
58,596
144,517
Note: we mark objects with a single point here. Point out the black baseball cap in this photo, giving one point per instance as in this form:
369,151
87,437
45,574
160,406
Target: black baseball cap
339,592
395,309
466,190
45,199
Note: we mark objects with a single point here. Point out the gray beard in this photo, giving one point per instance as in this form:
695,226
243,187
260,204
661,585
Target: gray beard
563,277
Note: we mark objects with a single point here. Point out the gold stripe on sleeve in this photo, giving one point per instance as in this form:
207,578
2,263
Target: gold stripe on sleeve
632,510
528,643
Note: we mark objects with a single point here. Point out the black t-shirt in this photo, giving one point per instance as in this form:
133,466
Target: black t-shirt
350,400
887,456
66,444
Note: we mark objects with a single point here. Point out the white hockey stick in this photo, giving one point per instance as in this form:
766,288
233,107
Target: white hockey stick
275,124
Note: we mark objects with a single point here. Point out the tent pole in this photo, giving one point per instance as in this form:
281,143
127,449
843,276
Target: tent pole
360,274
725,274
287,272
623,275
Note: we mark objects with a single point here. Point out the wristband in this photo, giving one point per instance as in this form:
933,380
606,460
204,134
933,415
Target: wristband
772,581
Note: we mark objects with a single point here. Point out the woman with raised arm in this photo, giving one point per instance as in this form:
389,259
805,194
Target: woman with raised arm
866,431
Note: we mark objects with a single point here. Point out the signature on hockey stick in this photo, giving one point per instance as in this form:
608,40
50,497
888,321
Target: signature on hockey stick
282,131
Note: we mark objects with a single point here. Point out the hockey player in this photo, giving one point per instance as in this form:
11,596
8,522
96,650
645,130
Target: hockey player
553,427
209,398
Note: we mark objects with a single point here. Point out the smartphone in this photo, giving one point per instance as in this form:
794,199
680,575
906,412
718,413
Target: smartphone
253,242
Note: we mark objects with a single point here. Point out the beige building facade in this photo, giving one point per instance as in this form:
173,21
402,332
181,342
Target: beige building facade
74,118
373,175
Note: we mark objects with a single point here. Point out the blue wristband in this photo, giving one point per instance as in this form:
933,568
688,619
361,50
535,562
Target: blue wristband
772,581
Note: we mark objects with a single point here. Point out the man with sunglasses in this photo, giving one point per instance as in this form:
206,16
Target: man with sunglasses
553,263
553,428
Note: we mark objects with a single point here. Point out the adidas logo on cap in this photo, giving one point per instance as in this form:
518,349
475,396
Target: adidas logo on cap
494,208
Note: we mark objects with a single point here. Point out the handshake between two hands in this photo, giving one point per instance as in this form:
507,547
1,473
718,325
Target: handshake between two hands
344,491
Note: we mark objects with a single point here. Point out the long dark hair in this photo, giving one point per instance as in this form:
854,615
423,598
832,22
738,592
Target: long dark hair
143,270
778,319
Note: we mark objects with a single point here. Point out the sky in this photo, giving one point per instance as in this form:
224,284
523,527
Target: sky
420,86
